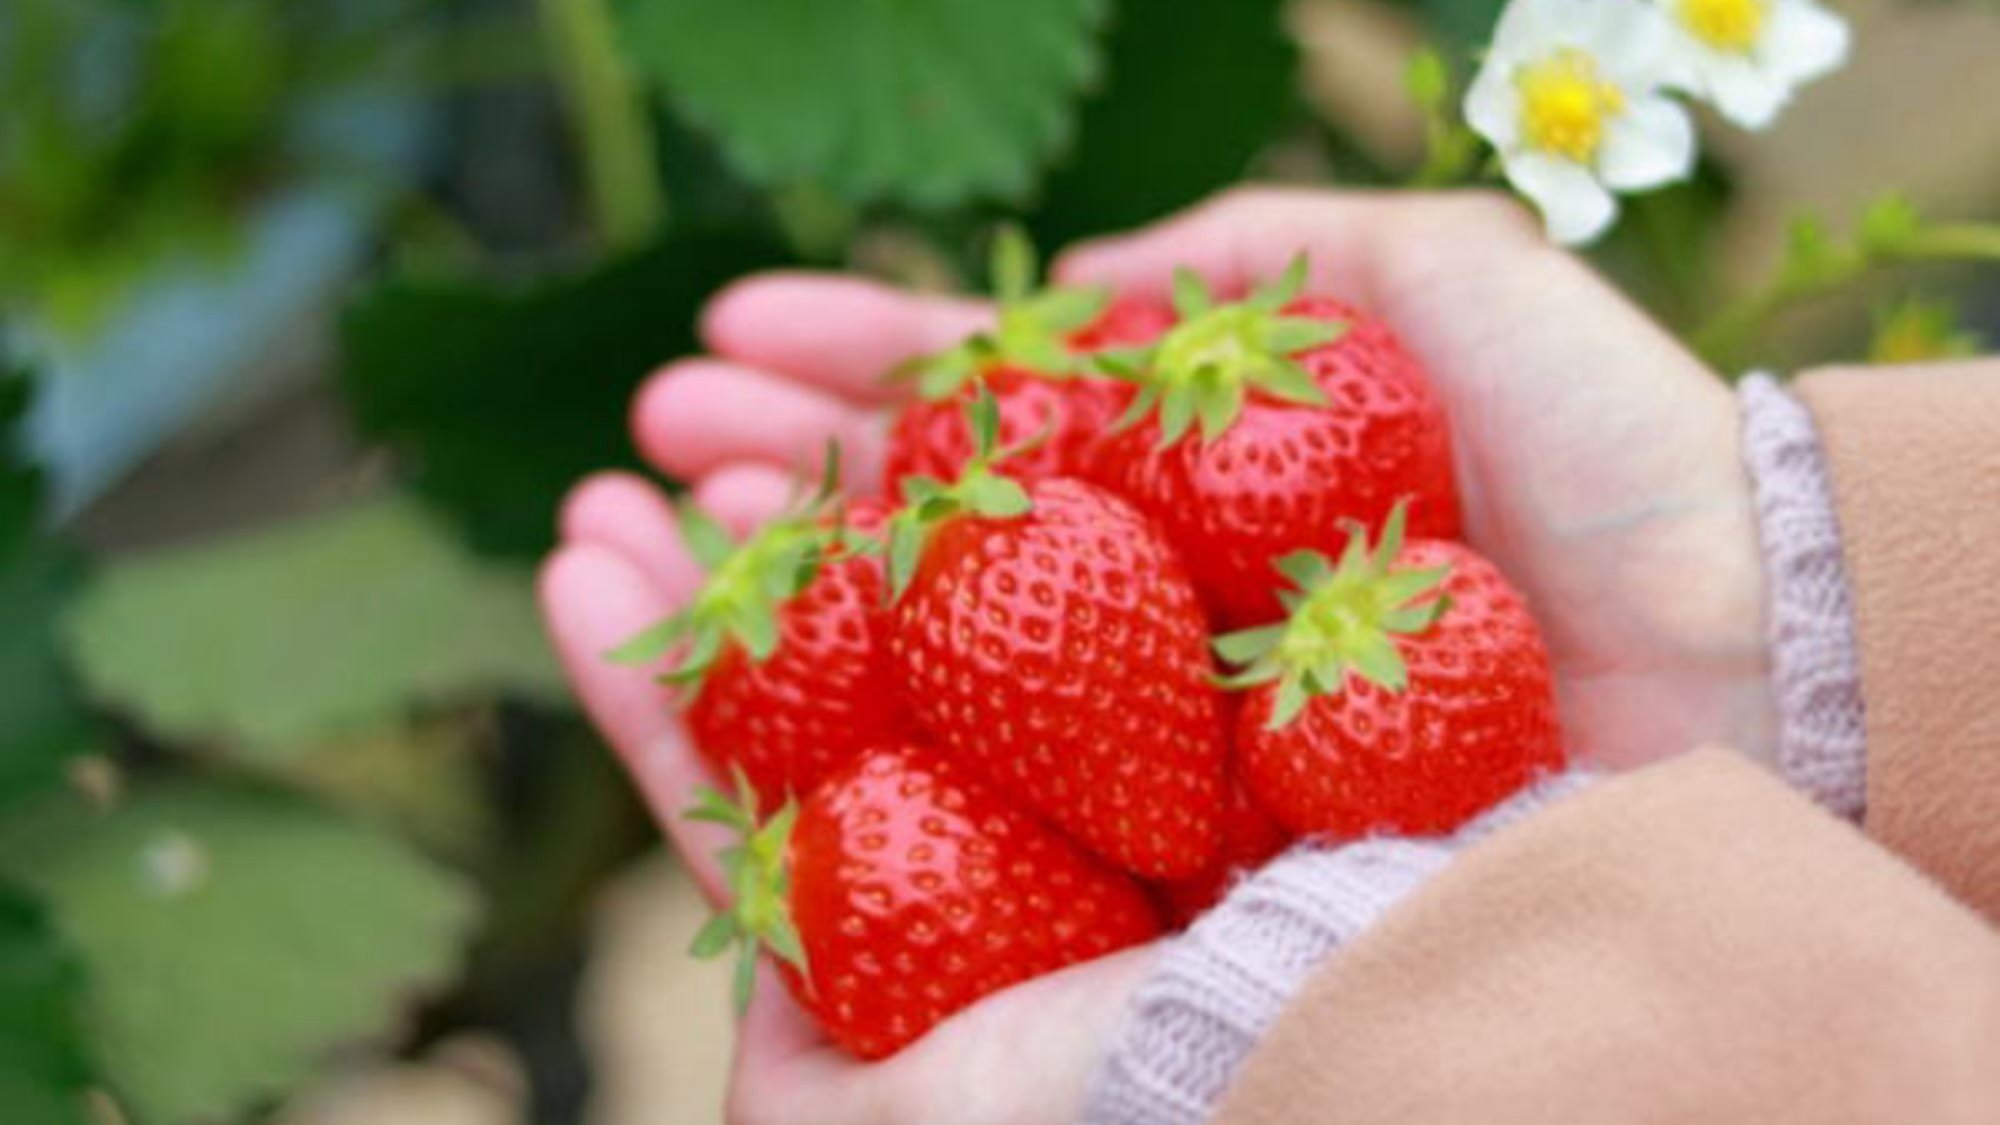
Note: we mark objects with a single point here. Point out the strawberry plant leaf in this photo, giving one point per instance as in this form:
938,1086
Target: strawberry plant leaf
44,722
43,1066
190,899
1194,91
329,624
496,397
927,102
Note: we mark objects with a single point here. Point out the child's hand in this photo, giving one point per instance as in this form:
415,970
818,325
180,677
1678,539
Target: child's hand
1599,467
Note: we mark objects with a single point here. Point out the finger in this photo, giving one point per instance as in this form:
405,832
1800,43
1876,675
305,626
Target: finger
593,599
630,515
1352,240
840,334
745,496
699,414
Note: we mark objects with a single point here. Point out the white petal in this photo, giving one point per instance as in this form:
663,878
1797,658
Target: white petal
1650,144
1743,92
1632,43
1493,104
1530,27
1575,207
1803,42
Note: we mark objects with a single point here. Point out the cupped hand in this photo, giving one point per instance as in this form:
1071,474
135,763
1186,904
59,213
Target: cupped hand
1598,464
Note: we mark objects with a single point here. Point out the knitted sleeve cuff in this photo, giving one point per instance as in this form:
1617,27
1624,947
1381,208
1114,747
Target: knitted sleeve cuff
1220,984
1815,664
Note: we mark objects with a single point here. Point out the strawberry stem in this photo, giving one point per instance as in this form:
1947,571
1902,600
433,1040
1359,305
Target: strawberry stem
746,588
760,885
1343,619
979,491
1204,369
1031,329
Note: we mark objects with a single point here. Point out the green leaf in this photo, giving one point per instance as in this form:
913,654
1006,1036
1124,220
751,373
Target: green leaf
233,938
1194,92
906,546
1190,294
996,497
1014,266
42,723
496,398
1888,223
707,541
43,1068
716,935
329,624
652,642
1246,645
1292,699
1427,79
929,102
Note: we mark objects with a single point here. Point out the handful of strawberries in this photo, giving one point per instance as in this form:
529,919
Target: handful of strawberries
1160,590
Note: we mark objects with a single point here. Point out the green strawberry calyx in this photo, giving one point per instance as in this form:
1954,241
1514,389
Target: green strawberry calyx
978,491
1031,330
746,587
1343,619
758,873
1205,367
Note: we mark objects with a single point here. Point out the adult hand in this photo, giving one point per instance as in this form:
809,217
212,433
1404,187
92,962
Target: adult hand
1598,465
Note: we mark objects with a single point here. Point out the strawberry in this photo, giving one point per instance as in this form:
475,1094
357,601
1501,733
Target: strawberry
1047,635
786,664
1034,365
903,890
1250,838
1302,425
1408,691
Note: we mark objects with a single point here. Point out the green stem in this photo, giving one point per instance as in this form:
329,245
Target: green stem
1724,338
1450,151
1956,241
609,107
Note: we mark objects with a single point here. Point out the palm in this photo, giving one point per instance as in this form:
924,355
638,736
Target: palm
1598,467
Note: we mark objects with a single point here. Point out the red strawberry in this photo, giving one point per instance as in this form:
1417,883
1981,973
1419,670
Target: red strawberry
1409,691
787,656
1301,426
1034,365
902,890
1049,637
1250,838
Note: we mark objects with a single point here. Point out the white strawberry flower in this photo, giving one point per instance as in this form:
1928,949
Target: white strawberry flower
1570,96
1746,57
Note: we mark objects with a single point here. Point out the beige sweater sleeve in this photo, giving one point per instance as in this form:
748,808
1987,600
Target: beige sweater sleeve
1691,943
1914,458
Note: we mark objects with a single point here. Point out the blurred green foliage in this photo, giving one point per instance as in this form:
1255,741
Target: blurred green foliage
44,721
233,936
132,130
42,1063
498,396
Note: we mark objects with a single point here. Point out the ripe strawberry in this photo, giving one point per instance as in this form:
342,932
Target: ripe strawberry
1250,838
1409,691
1301,426
1034,365
903,890
1048,636
787,648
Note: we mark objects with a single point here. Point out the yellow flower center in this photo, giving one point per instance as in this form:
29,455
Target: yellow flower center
1564,104
1726,25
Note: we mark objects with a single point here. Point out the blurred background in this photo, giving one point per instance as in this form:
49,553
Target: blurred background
310,311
